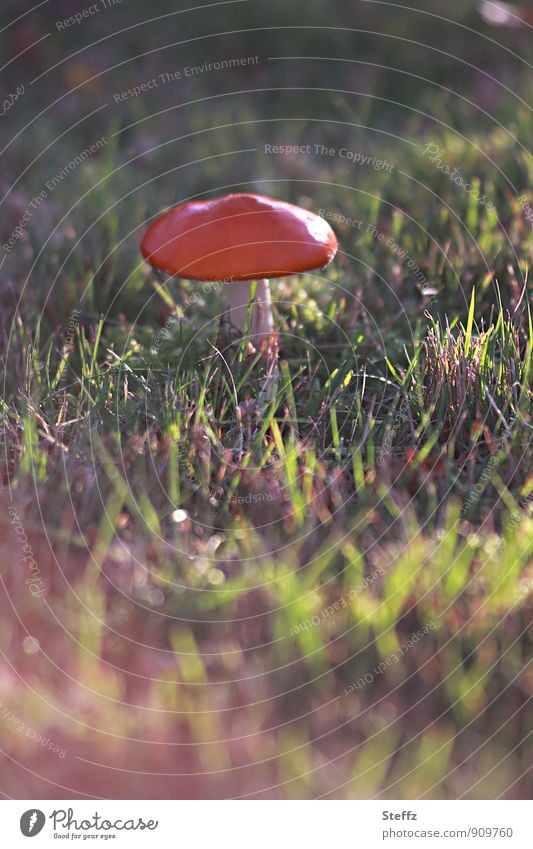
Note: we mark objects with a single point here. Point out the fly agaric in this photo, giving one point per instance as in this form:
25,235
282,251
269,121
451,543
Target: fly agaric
238,239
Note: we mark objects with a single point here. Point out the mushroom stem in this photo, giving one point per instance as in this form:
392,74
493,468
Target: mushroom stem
261,325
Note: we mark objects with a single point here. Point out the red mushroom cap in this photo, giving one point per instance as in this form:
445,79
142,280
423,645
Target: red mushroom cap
238,237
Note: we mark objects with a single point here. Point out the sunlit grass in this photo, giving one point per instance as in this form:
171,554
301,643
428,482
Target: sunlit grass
232,565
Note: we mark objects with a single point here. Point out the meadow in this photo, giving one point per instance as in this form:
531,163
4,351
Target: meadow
328,595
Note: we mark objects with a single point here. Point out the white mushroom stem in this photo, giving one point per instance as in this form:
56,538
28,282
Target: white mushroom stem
261,326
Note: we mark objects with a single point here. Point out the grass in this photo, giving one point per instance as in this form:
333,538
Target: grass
323,596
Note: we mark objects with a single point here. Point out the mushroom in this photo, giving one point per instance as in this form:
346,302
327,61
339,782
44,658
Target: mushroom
236,240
